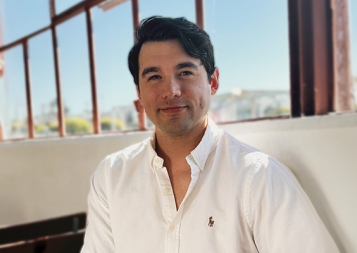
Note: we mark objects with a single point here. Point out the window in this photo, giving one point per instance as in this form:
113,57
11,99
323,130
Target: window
44,99
75,75
252,44
113,34
13,97
252,52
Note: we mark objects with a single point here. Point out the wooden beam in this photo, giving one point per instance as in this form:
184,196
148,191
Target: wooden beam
322,56
30,123
74,10
135,13
306,57
200,14
96,120
343,82
55,49
311,57
294,50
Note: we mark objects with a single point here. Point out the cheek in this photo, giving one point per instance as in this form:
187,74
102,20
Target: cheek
205,100
148,102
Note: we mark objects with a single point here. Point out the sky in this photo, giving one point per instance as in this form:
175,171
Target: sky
250,40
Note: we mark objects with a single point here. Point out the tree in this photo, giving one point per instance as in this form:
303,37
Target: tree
40,128
74,125
106,124
77,126
277,111
52,126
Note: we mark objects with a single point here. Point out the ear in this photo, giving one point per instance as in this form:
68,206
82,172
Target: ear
138,92
214,81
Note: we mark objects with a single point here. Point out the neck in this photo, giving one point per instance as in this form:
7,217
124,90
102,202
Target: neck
175,148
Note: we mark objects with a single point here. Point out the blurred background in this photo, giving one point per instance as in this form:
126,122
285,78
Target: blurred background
253,62
288,87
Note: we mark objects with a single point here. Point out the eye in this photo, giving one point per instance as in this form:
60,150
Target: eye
154,77
186,73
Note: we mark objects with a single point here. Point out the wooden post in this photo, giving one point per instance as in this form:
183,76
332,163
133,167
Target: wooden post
343,82
30,122
138,106
96,120
200,21
55,48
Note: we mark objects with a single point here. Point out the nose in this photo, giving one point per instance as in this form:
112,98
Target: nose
171,88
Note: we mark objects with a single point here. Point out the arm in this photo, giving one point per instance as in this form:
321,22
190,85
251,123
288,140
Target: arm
281,216
98,238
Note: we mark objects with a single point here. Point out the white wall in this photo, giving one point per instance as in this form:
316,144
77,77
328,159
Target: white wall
47,178
322,153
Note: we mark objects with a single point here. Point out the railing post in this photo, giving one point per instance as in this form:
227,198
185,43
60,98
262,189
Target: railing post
135,13
294,46
60,107
30,124
311,60
96,121
343,81
200,14
138,106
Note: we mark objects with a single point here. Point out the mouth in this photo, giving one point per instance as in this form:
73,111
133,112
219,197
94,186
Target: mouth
173,109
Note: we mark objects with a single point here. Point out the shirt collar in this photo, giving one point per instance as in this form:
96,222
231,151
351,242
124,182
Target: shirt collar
208,142
199,154
156,161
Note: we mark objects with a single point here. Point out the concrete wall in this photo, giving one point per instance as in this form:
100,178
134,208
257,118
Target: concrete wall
47,178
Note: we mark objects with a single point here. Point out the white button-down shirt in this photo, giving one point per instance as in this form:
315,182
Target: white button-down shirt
239,200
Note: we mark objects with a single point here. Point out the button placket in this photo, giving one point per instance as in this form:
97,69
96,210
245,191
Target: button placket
163,180
172,238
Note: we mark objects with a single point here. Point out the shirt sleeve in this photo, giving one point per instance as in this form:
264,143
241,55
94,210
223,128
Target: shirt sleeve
98,237
281,216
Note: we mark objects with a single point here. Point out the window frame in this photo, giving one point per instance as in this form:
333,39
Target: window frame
313,45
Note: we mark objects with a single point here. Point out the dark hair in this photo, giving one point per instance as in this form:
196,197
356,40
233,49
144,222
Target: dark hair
193,39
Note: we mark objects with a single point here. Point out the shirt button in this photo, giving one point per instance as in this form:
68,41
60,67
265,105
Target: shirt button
166,190
172,228
157,160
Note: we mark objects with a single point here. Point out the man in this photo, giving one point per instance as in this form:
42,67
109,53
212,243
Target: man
192,187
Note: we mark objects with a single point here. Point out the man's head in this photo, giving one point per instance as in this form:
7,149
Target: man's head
173,68
194,41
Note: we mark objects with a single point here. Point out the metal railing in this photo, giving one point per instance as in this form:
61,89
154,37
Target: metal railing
56,19
314,88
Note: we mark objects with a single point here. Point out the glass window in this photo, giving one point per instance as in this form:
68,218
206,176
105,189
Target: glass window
250,40
116,89
75,77
13,106
171,8
63,5
21,18
44,98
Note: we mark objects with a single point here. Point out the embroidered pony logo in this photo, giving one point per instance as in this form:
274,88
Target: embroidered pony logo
210,222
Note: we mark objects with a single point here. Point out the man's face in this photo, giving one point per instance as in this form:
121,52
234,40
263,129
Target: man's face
174,88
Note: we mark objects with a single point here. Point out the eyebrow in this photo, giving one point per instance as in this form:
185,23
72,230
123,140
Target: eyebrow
178,66
186,65
148,70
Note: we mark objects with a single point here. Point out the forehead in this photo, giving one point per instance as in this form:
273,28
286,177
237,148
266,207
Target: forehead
155,53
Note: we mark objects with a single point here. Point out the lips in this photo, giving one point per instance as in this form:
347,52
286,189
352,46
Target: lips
173,109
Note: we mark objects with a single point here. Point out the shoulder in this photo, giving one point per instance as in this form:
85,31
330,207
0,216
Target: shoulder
264,181
254,167
130,152
246,155
123,158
